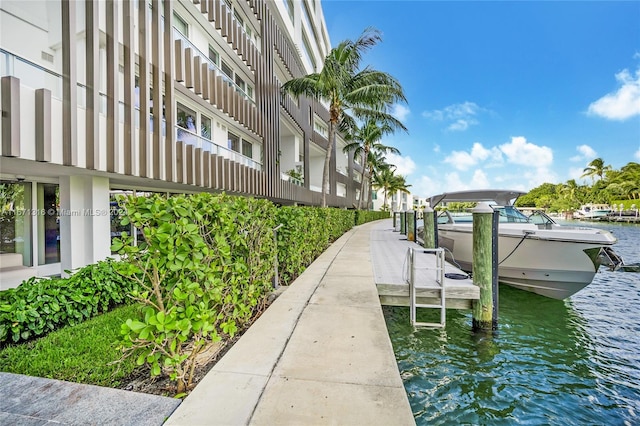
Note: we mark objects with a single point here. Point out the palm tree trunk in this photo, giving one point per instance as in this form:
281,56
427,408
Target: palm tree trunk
327,163
365,156
361,189
369,183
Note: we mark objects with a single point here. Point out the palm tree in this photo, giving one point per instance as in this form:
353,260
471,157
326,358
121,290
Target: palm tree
595,168
347,89
387,180
366,144
626,181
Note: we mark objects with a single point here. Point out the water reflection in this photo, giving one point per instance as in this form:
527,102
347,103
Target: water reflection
546,364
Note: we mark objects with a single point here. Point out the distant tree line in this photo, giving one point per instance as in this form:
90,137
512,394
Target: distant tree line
607,185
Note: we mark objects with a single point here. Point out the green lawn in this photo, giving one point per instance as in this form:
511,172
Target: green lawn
84,353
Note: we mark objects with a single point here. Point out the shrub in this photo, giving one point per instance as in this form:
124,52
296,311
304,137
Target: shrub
205,264
364,216
40,305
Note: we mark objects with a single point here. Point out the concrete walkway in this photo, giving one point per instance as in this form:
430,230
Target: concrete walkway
320,354
31,401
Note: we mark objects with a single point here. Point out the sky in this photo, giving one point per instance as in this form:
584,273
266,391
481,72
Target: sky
504,94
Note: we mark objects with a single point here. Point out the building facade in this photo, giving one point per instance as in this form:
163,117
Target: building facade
397,201
148,96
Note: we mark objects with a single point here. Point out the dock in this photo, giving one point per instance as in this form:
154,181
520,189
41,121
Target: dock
388,252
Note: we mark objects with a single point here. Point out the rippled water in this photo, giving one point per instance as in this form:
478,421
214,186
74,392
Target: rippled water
575,361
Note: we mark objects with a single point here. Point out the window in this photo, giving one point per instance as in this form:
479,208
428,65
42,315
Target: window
241,84
214,56
247,149
15,221
239,19
180,24
288,4
320,127
233,142
227,70
205,127
308,51
48,224
186,118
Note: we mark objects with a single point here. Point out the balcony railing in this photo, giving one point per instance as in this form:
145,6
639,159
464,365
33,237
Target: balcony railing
289,178
189,138
212,65
343,170
36,76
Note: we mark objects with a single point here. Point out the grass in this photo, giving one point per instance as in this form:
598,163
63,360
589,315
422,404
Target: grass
84,353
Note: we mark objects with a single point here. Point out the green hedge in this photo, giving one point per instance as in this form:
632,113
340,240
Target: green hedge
364,216
237,229
40,305
305,233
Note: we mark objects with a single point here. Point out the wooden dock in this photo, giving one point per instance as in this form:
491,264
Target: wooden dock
389,257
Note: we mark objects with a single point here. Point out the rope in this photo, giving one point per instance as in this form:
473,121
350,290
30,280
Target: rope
524,237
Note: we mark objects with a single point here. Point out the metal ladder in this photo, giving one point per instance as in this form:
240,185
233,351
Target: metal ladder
439,285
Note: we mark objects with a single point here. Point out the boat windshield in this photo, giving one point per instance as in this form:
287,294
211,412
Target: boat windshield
507,214
511,215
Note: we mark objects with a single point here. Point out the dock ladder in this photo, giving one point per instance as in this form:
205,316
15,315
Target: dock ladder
437,283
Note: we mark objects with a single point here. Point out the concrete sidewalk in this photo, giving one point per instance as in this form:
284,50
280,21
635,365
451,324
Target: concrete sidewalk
31,401
320,354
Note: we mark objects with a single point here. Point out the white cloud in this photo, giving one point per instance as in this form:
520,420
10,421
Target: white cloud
461,124
400,112
479,180
524,153
404,165
436,148
585,153
426,186
463,160
637,154
575,173
623,103
460,116
538,176
453,182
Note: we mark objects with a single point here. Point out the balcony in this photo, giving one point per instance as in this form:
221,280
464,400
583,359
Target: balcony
35,76
207,145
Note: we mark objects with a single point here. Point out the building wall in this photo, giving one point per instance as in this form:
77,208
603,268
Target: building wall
397,201
113,96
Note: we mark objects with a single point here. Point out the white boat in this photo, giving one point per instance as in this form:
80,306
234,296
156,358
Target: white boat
592,211
534,253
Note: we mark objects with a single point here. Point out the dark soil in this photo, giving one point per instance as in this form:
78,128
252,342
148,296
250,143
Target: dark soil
142,381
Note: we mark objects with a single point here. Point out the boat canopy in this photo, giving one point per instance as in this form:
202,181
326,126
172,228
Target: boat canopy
502,197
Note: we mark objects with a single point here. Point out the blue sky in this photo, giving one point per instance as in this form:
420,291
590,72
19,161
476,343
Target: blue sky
504,94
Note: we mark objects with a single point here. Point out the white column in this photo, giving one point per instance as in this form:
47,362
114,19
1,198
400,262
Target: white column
84,221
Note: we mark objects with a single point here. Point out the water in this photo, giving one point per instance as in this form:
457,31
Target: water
575,361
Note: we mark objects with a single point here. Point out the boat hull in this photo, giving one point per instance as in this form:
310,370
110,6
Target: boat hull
555,266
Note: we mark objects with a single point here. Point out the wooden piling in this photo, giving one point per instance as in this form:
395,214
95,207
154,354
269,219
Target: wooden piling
411,225
429,230
403,223
485,267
